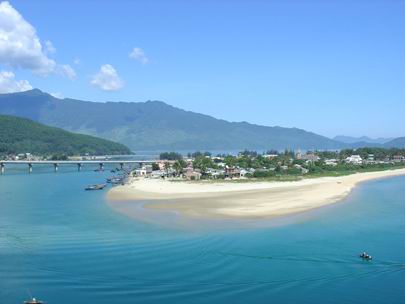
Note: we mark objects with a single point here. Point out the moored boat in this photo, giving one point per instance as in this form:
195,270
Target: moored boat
96,187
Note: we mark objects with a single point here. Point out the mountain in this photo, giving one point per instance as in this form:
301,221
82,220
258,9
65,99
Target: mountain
21,135
396,143
362,139
154,125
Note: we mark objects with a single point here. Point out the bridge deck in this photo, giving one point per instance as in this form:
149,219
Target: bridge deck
74,162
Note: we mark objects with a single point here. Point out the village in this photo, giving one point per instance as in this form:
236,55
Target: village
250,164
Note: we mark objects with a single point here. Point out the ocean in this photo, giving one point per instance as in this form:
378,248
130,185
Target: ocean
65,245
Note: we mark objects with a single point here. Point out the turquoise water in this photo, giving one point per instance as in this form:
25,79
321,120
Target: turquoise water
66,245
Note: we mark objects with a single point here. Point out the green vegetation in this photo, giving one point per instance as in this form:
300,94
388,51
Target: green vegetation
203,163
288,166
154,125
20,135
170,156
178,166
379,153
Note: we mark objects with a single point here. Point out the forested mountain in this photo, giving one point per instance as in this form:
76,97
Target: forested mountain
154,125
21,135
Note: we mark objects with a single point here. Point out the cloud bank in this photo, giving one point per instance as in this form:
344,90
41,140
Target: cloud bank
20,47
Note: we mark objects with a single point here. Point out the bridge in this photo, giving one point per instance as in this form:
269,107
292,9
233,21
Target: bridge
79,163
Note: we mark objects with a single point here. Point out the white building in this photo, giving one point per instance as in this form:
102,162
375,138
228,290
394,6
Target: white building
331,162
354,159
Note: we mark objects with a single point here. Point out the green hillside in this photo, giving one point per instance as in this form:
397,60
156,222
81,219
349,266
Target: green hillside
21,135
154,125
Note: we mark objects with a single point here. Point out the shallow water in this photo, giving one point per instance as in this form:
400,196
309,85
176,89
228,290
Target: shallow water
64,244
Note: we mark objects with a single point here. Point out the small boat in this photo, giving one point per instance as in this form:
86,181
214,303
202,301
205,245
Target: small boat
95,187
33,301
366,256
114,180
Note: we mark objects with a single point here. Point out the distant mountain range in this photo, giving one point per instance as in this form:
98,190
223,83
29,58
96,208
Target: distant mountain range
154,125
362,139
21,135
396,143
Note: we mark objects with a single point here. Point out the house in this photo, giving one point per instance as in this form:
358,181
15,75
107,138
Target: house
158,174
398,158
144,171
140,172
232,172
303,170
270,156
244,172
161,165
192,174
354,160
331,162
310,157
215,173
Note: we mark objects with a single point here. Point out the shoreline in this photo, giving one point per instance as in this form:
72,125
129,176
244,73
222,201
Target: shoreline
242,200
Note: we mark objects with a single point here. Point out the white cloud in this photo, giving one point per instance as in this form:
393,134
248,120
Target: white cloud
139,55
8,84
20,47
76,61
107,79
67,71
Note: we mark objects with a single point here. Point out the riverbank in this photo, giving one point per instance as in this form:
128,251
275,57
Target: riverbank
242,200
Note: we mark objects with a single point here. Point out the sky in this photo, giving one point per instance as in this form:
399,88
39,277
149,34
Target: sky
330,67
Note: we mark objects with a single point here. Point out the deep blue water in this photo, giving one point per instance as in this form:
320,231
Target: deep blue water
66,245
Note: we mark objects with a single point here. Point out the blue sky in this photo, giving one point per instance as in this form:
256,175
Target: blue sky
324,66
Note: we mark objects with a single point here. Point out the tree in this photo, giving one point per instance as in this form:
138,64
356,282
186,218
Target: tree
170,156
179,165
203,163
155,166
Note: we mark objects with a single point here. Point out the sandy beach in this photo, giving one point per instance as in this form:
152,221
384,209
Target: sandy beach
242,200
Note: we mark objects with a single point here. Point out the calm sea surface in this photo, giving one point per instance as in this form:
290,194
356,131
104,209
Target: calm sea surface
66,245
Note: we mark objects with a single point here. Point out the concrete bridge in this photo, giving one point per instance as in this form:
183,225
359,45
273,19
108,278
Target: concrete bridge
78,163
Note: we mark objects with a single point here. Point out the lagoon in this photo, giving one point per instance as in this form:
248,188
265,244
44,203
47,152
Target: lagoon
64,244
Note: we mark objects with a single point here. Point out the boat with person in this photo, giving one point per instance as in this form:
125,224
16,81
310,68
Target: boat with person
95,187
366,256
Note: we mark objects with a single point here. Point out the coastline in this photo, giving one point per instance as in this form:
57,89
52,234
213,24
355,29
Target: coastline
242,200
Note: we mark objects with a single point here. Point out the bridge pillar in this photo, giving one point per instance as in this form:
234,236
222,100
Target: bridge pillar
55,166
101,166
2,167
29,168
79,167
122,165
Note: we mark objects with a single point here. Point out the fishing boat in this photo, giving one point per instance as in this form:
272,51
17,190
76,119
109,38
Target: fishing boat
366,256
95,187
33,301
